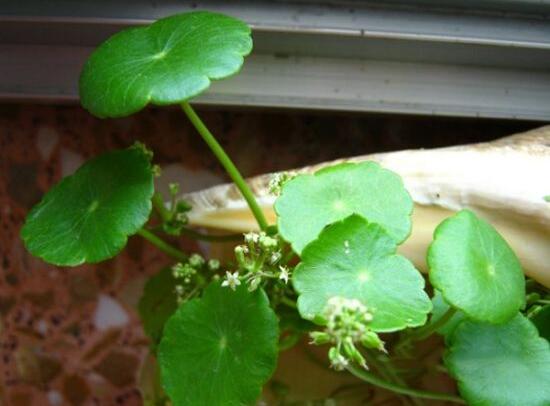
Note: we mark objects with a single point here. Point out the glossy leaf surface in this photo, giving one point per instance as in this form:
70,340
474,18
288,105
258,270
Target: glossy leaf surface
167,62
88,216
308,203
356,260
475,269
220,349
500,365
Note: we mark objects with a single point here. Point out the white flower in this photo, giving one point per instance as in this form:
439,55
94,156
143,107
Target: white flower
284,275
231,280
251,237
338,362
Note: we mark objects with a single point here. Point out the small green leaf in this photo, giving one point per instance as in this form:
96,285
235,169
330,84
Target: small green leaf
542,321
220,349
356,260
440,307
475,269
310,202
500,365
158,302
167,62
88,216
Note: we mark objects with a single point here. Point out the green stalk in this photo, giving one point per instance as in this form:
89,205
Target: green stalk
162,245
374,380
391,376
426,331
226,162
158,204
195,235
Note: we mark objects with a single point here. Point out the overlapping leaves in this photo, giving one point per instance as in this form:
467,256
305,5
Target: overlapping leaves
308,203
356,259
158,302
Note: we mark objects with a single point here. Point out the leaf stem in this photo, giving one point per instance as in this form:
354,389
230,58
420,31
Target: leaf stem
158,204
389,374
226,162
374,380
162,245
426,331
210,237
288,302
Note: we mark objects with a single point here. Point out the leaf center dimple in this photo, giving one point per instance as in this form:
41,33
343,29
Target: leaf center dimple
490,268
93,206
339,205
364,276
159,55
223,343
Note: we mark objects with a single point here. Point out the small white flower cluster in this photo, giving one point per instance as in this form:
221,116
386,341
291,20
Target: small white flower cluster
258,259
347,324
278,180
185,274
177,212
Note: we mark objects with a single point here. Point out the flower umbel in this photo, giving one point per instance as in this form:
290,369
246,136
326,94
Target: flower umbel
347,324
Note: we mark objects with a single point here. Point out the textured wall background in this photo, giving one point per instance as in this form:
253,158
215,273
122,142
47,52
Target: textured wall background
71,336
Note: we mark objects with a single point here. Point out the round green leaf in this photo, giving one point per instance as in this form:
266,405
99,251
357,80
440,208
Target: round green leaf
158,302
88,216
220,349
475,269
500,365
167,62
310,202
356,260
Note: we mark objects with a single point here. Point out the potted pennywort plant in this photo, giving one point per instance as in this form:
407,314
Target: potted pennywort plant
328,268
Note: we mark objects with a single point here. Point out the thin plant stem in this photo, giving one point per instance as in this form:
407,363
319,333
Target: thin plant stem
158,204
162,245
226,162
381,383
195,235
390,375
426,331
288,302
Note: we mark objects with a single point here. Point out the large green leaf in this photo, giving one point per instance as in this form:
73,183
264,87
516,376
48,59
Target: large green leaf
475,269
220,349
158,302
356,260
167,62
310,202
500,365
88,216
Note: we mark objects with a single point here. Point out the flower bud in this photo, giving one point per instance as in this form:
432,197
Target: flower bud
319,337
370,339
337,360
196,261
